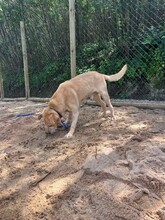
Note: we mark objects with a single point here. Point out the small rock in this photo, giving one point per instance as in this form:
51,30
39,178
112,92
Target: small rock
161,213
48,196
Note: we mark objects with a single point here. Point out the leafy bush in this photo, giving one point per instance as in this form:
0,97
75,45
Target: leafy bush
144,78
146,64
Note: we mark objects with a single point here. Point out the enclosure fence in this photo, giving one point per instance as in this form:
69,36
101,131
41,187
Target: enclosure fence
64,38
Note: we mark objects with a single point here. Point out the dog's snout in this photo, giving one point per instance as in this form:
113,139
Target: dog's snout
50,130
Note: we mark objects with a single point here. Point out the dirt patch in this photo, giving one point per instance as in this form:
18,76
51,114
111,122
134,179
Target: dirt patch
110,170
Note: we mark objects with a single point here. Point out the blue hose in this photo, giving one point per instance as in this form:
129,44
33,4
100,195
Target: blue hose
24,115
66,126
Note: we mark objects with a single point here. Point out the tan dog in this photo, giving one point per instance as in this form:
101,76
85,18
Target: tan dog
71,93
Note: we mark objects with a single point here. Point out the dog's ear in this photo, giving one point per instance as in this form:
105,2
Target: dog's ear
40,116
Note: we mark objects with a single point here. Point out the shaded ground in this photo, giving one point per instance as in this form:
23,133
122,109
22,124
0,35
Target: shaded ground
109,170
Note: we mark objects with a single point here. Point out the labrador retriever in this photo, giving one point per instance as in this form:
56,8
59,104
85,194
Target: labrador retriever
71,93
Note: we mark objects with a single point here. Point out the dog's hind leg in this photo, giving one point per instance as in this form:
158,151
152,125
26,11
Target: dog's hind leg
106,98
99,101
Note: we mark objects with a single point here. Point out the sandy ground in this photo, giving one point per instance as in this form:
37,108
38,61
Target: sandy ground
110,170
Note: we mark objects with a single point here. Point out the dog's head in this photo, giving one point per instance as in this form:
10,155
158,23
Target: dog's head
51,119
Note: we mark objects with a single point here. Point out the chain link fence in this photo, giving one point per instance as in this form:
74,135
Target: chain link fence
111,33
108,34
48,45
47,37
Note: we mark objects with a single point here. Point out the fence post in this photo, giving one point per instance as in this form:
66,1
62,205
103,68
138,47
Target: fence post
72,37
25,60
1,84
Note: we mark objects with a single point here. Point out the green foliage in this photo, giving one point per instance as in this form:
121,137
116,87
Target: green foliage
145,67
146,64
108,35
92,56
45,81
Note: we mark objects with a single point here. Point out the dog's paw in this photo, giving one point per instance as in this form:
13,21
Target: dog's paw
102,115
106,114
113,118
68,136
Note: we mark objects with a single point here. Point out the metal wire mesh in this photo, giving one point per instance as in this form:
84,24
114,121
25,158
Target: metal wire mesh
47,36
49,46
112,33
10,50
108,34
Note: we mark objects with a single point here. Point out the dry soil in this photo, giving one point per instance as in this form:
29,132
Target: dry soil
110,170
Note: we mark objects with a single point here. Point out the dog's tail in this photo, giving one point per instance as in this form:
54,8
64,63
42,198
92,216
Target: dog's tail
117,76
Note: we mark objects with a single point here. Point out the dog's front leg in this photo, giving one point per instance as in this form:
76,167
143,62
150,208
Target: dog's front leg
69,118
73,124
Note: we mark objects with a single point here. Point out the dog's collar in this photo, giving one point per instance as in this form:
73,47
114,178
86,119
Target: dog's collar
65,125
56,111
